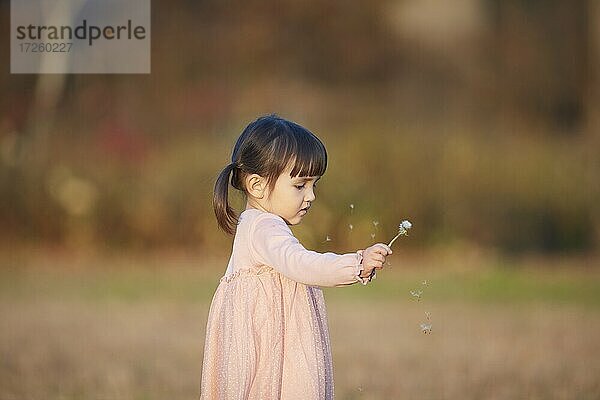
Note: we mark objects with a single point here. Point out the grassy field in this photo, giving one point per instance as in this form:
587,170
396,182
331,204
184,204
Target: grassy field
132,327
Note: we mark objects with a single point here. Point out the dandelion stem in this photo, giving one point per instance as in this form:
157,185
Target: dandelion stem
394,239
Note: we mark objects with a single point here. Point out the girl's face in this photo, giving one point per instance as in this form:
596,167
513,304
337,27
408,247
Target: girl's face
291,197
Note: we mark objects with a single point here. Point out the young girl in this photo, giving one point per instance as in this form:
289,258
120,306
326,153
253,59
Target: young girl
267,334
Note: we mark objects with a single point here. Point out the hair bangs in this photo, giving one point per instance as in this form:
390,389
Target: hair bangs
310,156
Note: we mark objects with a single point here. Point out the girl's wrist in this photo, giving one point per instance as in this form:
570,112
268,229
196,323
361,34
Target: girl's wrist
360,269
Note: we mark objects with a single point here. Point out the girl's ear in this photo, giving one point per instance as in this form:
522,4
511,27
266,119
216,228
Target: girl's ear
256,185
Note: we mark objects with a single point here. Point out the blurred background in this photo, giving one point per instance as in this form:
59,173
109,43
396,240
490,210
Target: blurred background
477,120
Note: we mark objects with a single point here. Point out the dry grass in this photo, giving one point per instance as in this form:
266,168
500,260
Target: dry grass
55,350
72,333
76,351
474,352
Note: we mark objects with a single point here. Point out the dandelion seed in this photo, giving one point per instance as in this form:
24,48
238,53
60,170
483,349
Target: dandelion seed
351,208
426,328
327,239
416,294
375,223
424,283
351,226
428,315
360,389
402,231
372,236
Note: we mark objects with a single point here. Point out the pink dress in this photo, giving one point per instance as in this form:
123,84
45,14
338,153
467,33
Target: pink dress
267,334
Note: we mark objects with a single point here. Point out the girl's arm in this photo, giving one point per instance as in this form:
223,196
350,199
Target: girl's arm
272,243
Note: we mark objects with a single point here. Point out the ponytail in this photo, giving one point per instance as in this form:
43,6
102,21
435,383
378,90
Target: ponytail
226,216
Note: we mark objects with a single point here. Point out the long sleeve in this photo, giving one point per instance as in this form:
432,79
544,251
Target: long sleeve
272,243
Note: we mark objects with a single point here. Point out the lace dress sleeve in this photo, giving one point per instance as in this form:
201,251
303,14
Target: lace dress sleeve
272,243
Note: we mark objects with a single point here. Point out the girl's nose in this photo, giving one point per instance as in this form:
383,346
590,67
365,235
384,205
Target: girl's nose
310,195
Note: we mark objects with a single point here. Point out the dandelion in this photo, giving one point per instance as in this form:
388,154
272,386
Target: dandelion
416,294
402,231
426,328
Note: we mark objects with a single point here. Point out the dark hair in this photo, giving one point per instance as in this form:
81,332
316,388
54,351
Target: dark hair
266,147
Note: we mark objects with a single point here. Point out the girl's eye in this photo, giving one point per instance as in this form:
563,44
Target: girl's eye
302,186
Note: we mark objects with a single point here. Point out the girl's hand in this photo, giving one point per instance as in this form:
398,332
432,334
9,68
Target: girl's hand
374,258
